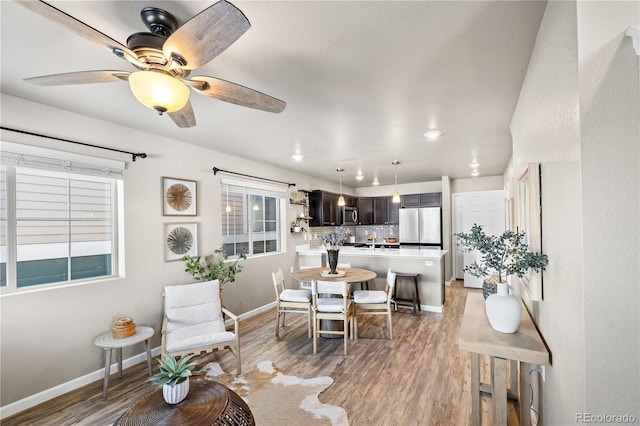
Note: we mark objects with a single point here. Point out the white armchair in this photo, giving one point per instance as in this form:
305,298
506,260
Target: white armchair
193,321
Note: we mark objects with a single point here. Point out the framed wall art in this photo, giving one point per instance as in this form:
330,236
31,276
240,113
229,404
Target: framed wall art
180,239
530,221
179,197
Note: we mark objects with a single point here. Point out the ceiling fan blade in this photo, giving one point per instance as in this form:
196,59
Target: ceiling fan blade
80,77
237,94
80,28
206,35
184,117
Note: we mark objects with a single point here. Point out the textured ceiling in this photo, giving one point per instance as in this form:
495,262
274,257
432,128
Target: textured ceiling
363,81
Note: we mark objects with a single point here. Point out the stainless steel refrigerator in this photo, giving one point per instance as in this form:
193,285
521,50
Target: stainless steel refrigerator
421,227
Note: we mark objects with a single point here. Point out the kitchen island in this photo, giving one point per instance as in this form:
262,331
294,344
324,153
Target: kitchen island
429,263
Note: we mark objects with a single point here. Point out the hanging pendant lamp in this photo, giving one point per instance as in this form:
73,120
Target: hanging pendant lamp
396,196
341,202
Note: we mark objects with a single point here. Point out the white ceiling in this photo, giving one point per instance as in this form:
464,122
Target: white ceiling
363,81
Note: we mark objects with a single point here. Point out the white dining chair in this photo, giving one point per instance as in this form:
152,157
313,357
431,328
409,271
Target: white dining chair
290,300
337,307
375,302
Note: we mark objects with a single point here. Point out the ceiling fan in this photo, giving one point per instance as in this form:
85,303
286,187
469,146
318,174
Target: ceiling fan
164,58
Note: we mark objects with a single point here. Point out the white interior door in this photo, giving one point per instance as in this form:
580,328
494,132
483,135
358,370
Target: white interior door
486,208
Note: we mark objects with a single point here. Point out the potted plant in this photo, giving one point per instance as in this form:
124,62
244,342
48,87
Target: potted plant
174,377
501,256
296,225
214,266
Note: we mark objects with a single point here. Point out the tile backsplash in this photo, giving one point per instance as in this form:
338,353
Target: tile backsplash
361,233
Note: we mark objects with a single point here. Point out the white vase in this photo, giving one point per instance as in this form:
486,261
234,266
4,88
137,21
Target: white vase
175,394
503,310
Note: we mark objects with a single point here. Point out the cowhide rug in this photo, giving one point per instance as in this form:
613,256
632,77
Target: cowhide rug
276,398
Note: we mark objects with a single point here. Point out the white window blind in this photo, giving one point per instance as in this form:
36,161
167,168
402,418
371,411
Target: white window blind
251,216
59,216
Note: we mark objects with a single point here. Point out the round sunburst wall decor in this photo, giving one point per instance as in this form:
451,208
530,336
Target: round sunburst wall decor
180,239
178,197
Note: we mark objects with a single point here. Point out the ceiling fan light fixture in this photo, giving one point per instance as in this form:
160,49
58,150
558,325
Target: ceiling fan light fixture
159,91
433,134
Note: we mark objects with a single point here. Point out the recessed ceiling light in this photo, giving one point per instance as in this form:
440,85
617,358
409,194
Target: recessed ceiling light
298,157
474,174
433,134
376,182
359,177
474,164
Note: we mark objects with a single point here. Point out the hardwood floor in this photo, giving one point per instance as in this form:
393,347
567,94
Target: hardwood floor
419,378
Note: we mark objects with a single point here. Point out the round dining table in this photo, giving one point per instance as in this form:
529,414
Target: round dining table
351,275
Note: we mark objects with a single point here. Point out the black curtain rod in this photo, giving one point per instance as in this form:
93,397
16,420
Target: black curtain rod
133,155
216,170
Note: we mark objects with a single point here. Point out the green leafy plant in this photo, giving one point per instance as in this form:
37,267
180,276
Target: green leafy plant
174,372
296,223
502,255
214,266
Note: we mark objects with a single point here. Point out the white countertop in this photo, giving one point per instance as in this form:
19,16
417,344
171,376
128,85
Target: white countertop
405,253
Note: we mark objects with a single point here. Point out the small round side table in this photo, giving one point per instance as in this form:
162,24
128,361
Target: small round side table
108,342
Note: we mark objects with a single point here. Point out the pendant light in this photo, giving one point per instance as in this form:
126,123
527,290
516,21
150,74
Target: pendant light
341,202
396,196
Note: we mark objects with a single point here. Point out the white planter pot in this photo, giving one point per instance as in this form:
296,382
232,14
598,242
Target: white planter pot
503,310
175,394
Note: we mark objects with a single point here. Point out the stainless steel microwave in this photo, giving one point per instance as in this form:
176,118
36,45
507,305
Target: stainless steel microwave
349,215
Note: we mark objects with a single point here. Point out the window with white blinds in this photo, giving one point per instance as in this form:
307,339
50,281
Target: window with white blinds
251,217
57,225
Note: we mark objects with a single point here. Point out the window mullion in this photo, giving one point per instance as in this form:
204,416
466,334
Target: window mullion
12,236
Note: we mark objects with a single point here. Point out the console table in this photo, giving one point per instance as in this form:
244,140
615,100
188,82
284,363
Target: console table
522,348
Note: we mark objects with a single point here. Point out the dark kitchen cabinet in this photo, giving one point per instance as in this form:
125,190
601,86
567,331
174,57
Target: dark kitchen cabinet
385,212
393,213
323,208
378,211
431,199
365,210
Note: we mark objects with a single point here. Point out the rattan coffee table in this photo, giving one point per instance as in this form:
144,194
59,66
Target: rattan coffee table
207,403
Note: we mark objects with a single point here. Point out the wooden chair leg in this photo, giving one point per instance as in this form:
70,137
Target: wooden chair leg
346,337
238,358
389,322
277,322
316,327
309,319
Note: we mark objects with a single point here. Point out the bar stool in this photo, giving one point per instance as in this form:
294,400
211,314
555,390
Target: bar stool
414,302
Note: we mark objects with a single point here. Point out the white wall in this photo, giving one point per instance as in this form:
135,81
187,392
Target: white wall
485,183
52,331
578,116
610,153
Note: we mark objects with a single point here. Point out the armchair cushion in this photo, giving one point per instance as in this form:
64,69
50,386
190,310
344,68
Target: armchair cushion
198,335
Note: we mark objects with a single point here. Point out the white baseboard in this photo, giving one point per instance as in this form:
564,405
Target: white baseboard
61,389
